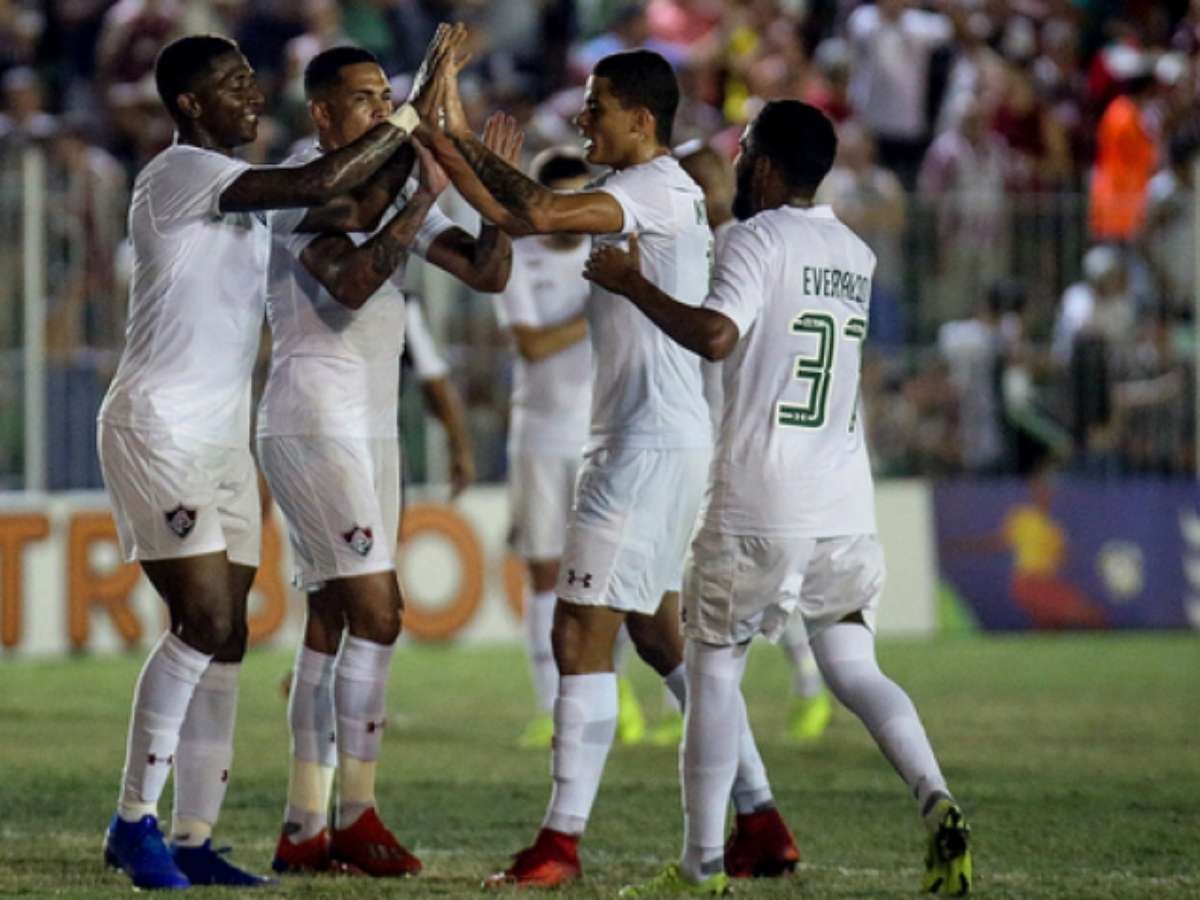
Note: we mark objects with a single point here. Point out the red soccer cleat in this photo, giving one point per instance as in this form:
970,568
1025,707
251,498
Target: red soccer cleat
369,846
553,860
760,846
308,857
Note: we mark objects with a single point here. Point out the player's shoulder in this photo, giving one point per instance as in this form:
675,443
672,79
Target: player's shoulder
302,153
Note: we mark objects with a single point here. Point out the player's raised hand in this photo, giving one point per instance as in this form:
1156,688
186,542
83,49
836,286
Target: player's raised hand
462,471
504,137
612,268
420,95
457,55
433,177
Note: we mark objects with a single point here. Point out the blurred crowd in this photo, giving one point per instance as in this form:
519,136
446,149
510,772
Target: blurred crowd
1022,169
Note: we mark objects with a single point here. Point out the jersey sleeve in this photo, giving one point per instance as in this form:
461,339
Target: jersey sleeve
191,188
426,360
635,194
739,282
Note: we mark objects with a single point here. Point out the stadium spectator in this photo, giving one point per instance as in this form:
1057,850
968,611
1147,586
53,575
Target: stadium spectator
21,27
962,184
892,44
23,115
829,89
1126,154
870,200
1169,241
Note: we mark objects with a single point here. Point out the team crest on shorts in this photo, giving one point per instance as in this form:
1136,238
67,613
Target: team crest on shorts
360,539
181,520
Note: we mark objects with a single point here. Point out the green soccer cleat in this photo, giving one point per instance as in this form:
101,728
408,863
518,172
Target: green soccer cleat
631,724
668,732
671,883
809,718
538,734
948,858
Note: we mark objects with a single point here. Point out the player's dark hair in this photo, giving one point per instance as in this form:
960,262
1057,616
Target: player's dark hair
324,71
799,139
557,164
643,78
183,61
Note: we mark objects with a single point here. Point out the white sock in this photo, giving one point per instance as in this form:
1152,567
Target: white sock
359,692
806,675
204,754
585,719
539,619
846,654
709,754
312,723
160,701
751,787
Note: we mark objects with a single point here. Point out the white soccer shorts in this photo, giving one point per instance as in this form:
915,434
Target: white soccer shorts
737,586
341,500
634,513
540,487
175,497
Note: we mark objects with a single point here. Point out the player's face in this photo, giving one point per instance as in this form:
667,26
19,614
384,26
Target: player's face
361,100
608,129
743,171
230,101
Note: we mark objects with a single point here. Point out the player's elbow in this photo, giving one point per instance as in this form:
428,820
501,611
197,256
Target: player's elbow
719,341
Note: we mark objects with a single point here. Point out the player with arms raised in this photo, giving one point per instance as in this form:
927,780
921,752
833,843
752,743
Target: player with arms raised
639,488
329,447
790,499
174,428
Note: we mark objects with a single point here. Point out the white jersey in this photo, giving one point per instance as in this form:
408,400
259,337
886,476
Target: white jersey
646,388
335,371
195,302
551,398
422,351
710,371
791,458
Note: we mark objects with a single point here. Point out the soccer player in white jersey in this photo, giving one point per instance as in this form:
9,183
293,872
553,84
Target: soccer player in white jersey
543,310
638,491
174,430
328,444
811,706
790,498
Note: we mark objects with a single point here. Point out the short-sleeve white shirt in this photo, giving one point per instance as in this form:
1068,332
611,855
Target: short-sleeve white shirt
551,398
195,302
646,389
791,458
334,370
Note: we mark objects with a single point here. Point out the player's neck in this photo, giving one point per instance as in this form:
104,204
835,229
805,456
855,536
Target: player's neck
196,136
642,153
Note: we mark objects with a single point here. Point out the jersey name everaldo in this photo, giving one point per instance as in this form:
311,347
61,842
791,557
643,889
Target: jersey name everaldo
836,284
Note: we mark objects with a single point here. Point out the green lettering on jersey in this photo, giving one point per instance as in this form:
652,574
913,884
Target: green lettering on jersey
815,368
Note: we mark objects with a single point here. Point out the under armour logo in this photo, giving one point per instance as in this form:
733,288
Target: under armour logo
373,726
153,759
585,579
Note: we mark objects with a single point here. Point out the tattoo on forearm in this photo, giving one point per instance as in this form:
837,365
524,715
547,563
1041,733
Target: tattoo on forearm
492,248
346,168
511,188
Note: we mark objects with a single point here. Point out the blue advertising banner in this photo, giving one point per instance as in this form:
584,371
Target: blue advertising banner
1060,552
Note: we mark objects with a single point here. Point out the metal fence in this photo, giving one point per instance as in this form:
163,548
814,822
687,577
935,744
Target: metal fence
951,384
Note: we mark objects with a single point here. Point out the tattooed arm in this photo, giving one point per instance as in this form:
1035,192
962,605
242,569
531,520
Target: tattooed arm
517,203
363,209
353,274
483,262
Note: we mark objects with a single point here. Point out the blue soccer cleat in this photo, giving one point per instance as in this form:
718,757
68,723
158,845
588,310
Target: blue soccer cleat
138,849
204,865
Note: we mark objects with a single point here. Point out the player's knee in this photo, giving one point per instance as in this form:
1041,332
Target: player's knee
567,642
379,623
654,648
210,628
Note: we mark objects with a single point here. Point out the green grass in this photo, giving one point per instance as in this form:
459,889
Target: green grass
1077,760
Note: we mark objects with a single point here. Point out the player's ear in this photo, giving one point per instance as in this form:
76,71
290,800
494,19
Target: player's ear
189,105
643,122
318,111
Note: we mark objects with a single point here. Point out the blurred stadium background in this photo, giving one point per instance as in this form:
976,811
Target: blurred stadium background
1023,170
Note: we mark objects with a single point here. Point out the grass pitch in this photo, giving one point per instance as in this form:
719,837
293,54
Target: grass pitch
1076,758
